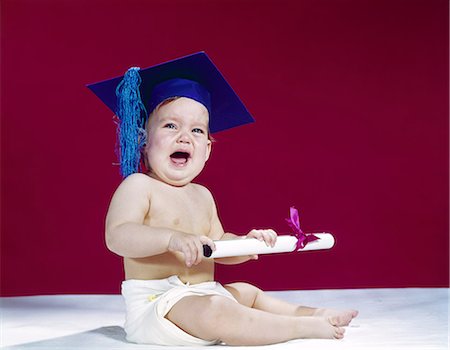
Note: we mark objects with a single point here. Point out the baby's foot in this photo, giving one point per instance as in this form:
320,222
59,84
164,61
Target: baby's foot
342,317
320,328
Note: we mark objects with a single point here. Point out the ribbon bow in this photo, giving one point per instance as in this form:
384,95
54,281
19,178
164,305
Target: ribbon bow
294,223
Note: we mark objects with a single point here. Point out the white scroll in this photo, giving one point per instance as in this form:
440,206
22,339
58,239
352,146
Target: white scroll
252,246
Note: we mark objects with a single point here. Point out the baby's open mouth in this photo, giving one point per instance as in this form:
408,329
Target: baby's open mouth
180,158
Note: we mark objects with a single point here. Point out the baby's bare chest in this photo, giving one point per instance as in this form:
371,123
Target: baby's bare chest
187,212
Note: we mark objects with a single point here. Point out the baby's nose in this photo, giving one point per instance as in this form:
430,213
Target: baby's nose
184,138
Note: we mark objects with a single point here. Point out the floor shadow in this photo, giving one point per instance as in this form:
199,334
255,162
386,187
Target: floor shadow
111,337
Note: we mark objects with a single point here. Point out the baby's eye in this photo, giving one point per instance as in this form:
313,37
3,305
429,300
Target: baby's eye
170,126
198,130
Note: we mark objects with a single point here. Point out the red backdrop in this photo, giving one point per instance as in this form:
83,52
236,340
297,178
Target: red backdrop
351,102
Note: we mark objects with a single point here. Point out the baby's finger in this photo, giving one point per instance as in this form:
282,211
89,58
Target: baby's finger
198,252
208,241
256,234
269,237
272,237
186,250
266,237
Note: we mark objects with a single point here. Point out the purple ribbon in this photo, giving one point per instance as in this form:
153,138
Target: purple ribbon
294,223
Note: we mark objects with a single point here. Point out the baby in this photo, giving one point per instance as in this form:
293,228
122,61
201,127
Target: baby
160,220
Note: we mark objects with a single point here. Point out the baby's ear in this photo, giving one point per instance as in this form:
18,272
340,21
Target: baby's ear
208,150
144,159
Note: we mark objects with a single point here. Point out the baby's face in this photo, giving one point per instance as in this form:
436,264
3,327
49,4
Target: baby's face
177,141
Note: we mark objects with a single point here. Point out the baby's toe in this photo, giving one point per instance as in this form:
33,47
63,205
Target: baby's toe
339,333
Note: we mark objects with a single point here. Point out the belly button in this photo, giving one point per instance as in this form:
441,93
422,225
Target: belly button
176,222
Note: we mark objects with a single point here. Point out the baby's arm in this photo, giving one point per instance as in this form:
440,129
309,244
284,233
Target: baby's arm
126,234
217,233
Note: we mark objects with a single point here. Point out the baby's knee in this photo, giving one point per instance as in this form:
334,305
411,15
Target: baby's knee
244,293
247,288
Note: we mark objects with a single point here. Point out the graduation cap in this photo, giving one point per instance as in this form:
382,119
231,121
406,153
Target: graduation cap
134,96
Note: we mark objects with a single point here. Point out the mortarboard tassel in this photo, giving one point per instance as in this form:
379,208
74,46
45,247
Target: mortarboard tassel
132,114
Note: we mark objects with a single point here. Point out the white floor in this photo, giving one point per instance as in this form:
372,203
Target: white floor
389,319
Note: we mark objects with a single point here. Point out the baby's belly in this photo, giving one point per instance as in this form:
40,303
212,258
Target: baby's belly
166,265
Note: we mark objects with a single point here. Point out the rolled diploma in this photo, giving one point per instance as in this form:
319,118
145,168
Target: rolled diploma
252,246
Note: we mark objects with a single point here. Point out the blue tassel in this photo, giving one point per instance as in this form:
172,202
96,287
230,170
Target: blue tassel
131,135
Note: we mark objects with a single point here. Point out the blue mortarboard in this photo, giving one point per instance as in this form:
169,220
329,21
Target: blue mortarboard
135,95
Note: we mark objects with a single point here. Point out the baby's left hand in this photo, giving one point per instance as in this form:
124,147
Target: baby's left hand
268,236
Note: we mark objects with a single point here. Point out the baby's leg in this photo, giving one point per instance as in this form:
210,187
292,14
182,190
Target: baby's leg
220,318
254,297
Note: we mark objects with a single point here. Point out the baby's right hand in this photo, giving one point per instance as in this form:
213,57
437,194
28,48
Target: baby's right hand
190,245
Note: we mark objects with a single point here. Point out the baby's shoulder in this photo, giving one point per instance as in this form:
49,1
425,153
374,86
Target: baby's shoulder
137,182
137,179
203,191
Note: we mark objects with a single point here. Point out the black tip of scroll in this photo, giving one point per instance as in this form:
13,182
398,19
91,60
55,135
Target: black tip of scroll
207,251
